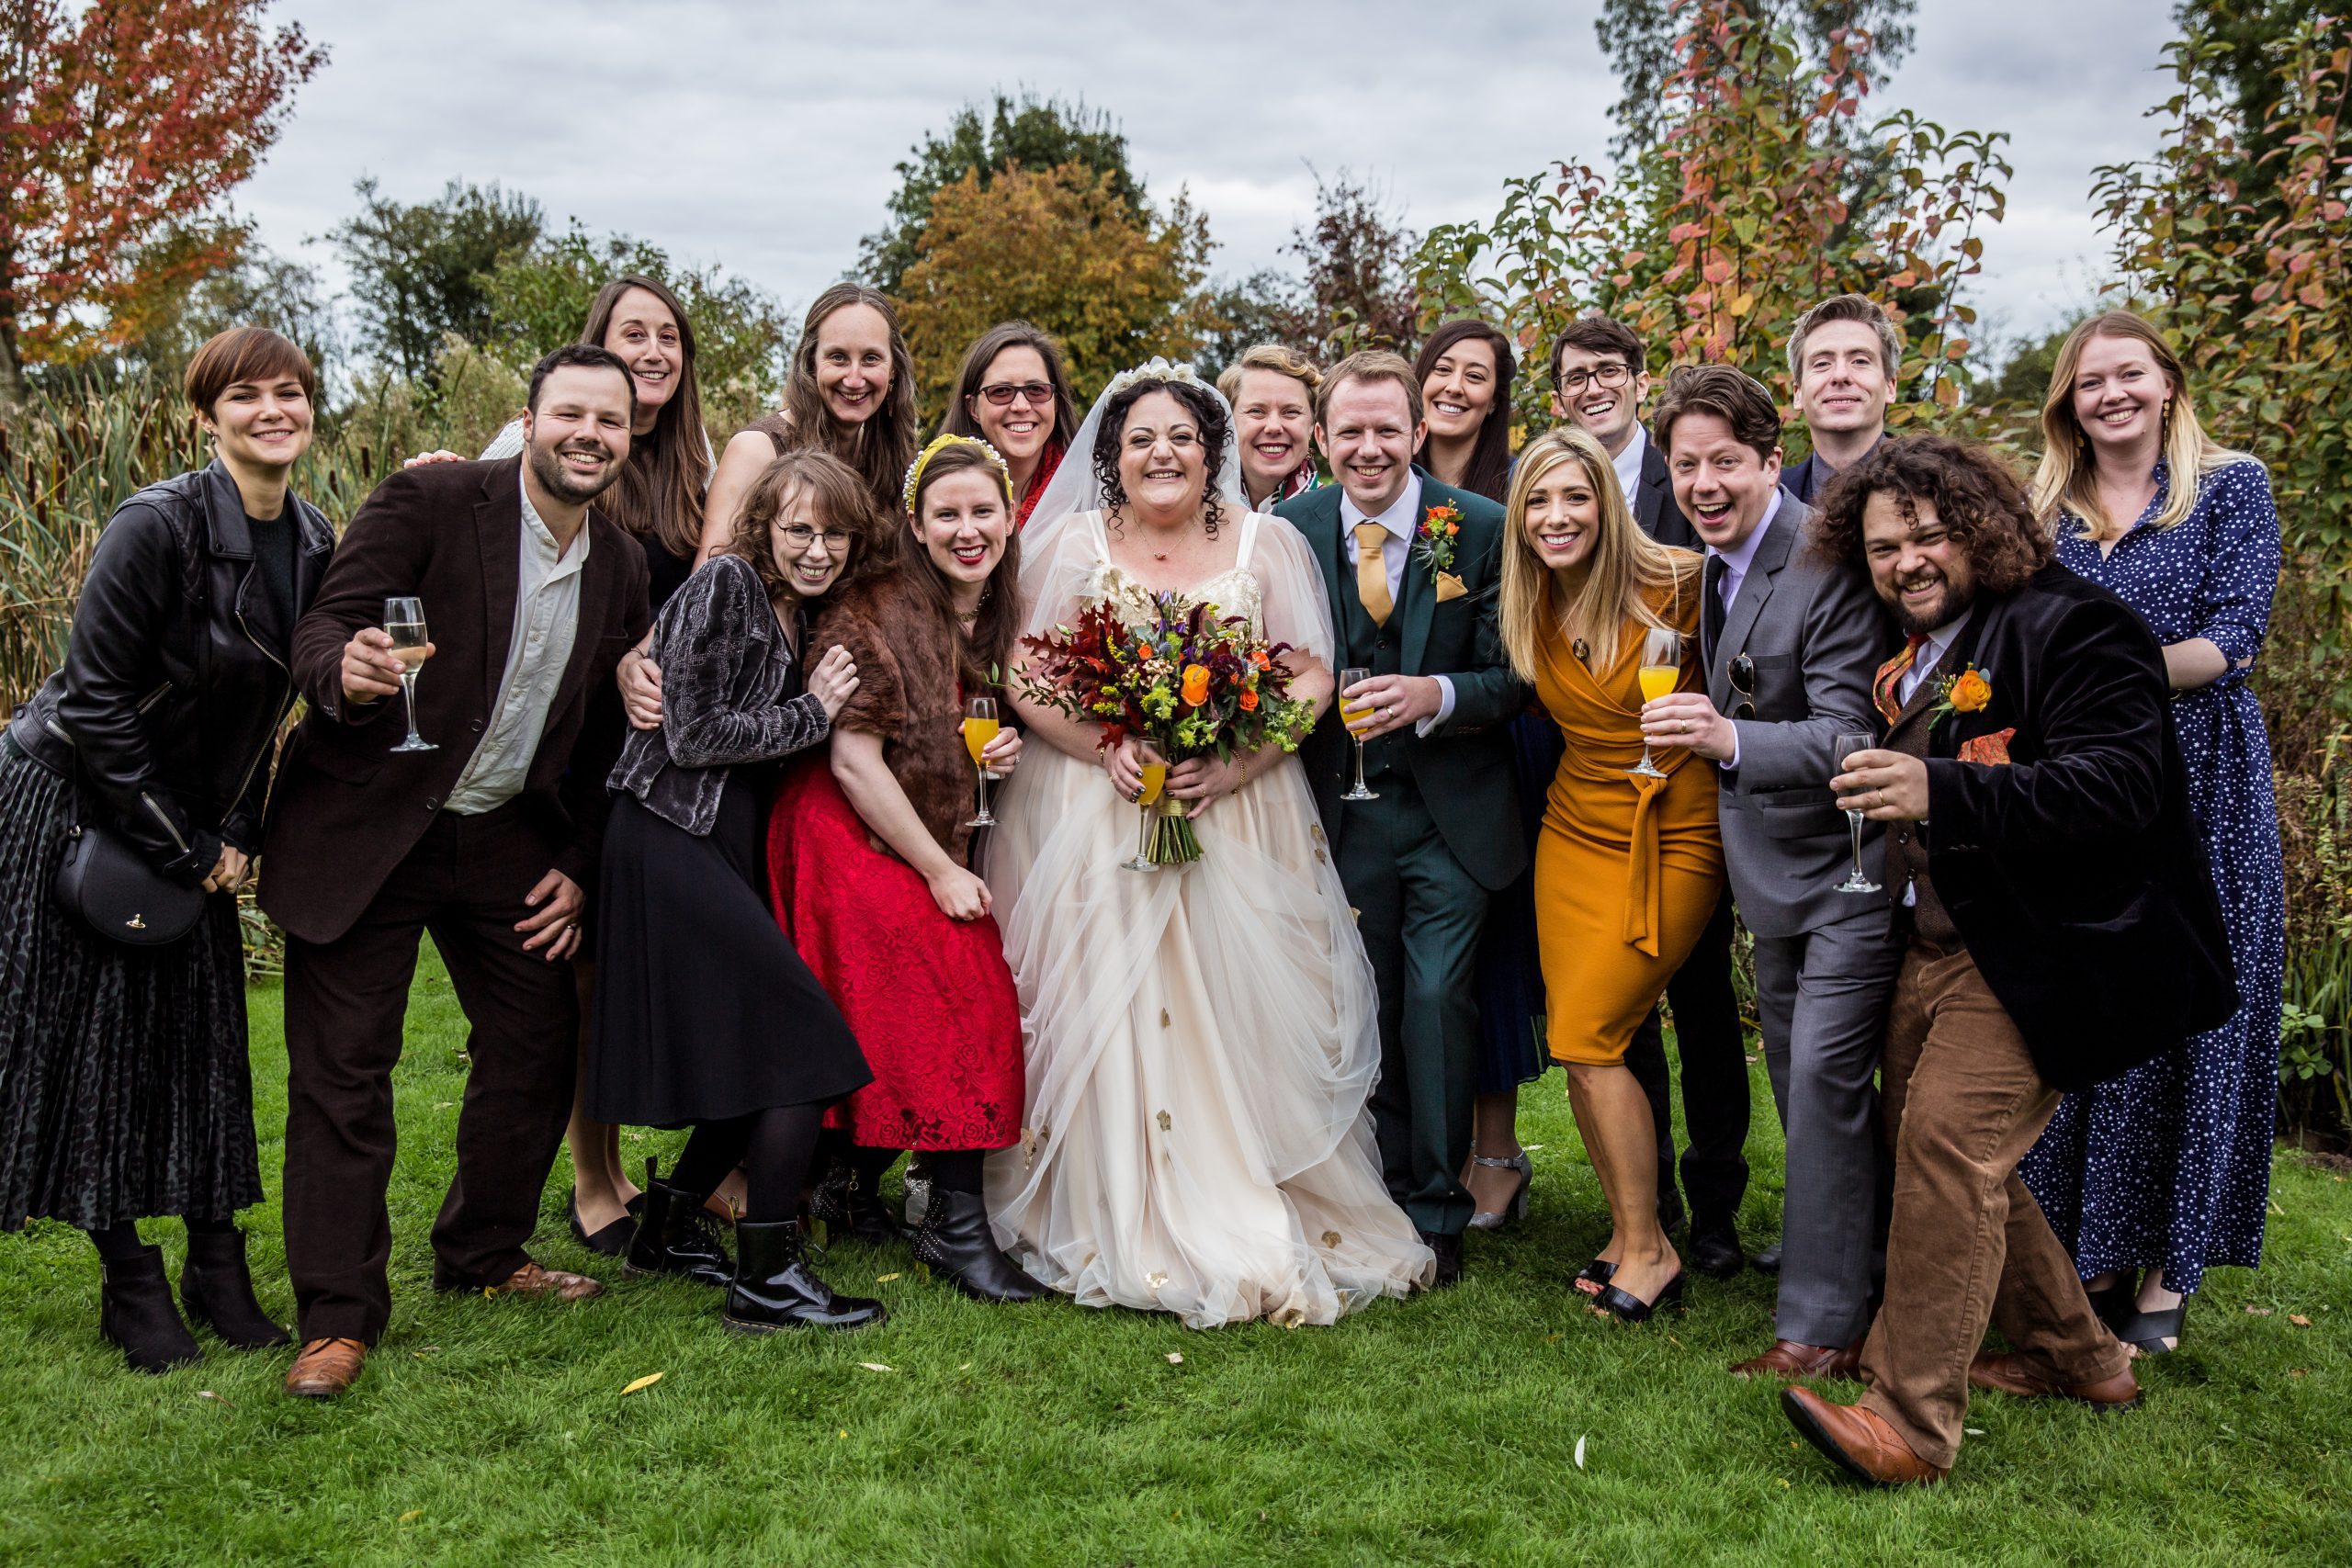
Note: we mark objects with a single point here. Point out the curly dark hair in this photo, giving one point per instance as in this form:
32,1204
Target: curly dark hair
1215,426
1977,495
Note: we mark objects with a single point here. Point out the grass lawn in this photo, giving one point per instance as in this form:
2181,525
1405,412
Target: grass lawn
1444,1429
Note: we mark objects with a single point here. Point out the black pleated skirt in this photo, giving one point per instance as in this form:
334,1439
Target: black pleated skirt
703,1010
125,1088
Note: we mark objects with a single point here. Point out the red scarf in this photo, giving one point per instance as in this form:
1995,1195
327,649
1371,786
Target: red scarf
1047,463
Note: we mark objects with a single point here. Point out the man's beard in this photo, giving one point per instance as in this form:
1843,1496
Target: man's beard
547,466
1954,605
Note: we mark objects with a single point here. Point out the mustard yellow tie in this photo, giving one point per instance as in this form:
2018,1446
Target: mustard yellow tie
1372,571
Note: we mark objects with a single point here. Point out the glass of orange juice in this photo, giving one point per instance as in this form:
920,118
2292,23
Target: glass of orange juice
1352,715
1154,778
981,727
1661,670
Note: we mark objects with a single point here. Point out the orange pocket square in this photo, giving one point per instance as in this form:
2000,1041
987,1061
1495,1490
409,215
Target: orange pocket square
1449,587
1993,748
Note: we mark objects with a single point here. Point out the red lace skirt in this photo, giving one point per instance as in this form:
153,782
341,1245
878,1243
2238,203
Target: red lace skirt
930,998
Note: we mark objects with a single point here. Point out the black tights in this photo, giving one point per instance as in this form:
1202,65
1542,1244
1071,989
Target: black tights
951,1170
119,1243
773,1146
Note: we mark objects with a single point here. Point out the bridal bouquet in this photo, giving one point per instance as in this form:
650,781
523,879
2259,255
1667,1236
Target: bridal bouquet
1189,682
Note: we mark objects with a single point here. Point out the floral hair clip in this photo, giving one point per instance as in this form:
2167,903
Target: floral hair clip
922,459
1157,368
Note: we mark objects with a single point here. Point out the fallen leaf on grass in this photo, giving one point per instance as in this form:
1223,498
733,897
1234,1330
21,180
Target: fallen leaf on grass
1175,1357
1784,1480
443,1104
208,1393
2298,1371
1579,1453
1973,1431
883,1279
2257,1312
648,1380
1551,1339
412,1516
1530,1149
965,1368
2299,1320
874,1367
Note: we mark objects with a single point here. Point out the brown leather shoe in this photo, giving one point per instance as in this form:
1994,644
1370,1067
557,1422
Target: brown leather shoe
533,1281
325,1368
1859,1441
1789,1360
2007,1372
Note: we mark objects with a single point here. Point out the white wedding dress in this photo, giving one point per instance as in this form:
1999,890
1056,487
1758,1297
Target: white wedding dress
1200,1042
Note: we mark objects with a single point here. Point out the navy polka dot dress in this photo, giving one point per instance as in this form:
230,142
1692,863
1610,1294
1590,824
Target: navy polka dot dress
2169,1165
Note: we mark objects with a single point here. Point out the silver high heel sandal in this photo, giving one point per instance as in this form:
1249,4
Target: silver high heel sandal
1516,1208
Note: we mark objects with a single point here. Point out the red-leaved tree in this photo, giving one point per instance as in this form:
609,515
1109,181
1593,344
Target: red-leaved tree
122,123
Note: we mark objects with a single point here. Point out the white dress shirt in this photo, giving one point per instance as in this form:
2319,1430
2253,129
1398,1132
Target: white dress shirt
1736,560
1628,463
547,614
1403,517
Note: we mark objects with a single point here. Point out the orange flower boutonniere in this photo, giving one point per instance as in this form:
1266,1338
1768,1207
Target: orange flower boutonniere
1437,539
1971,691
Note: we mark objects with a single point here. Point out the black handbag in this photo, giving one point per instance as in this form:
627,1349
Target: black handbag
111,888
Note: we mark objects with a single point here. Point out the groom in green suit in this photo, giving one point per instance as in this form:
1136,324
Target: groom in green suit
1410,566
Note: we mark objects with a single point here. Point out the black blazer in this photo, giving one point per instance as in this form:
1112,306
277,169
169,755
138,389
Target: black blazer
2073,871
1654,507
346,811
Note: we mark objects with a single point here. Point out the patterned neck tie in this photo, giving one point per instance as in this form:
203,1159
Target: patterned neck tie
1372,571
1890,678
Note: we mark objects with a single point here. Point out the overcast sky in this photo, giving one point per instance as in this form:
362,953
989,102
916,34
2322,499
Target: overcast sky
761,135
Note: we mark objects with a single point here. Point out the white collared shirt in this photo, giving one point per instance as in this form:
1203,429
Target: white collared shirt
1628,463
546,617
1736,560
1399,521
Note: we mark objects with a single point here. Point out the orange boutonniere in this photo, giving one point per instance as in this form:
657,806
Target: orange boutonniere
1435,541
1971,691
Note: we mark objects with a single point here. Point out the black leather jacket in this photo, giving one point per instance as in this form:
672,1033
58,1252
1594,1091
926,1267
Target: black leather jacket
174,679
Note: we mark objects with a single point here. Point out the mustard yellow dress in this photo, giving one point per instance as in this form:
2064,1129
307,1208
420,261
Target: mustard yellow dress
1627,870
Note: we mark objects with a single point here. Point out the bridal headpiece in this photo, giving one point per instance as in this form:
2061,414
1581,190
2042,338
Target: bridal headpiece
922,460
1157,368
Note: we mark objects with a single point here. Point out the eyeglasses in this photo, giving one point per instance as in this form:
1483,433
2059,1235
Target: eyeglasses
1609,375
1036,394
1743,680
835,541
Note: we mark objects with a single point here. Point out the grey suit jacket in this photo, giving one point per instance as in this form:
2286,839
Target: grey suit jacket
1816,635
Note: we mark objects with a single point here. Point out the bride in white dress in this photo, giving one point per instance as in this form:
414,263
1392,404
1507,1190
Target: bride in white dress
1200,1041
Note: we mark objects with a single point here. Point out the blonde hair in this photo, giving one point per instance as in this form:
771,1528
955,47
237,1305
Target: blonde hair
1625,570
1274,356
2067,479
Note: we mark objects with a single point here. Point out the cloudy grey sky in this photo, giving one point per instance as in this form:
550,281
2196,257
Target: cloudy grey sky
761,135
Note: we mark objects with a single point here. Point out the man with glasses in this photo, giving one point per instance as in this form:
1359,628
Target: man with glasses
1790,643
1598,382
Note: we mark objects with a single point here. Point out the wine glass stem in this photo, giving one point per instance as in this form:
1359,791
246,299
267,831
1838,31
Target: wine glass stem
1359,761
1143,839
1854,824
408,690
984,787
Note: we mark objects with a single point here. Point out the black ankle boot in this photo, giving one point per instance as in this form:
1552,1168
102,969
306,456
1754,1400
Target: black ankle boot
774,1288
850,1213
956,1244
676,1234
136,1311
218,1290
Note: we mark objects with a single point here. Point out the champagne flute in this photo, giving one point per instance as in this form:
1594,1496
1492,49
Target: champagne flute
404,623
1350,715
1857,880
1661,670
1154,778
981,727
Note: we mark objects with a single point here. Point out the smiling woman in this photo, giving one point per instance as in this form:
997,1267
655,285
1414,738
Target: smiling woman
1013,393
1465,371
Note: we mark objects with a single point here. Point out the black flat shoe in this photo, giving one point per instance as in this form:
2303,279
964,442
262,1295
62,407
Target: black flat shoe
2147,1331
612,1240
1715,1252
1626,1307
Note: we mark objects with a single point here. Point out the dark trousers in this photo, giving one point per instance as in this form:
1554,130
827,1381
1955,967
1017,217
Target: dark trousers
1420,914
345,1001
1708,1037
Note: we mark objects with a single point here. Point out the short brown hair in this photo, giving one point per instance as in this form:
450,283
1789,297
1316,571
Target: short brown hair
1596,334
842,497
1735,396
245,353
1977,495
1280,358
1370,364
1847,307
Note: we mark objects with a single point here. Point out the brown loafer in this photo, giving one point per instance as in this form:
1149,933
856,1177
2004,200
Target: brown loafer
533,1281
1859,1440
325,1368
1789,1360
2007,1372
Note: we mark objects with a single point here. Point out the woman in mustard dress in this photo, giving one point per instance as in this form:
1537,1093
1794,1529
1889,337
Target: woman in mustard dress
1629,867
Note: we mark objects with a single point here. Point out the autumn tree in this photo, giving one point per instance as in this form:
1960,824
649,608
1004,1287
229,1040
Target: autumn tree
120,120
1063,248
420,270
1358,291
1641,37
164,327
1029,133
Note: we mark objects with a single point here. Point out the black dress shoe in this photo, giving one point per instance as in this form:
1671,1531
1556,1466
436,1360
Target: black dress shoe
774,1288
136,1313
1714,1251
677,1235
957,1242
1627,1307
218,1291
612,1240
1449,1258
1767,1261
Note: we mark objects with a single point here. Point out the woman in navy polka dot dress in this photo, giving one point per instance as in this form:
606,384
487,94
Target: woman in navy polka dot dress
2166,1169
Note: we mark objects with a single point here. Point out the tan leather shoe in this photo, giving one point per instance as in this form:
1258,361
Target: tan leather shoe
2007,1372
1859,1440
533,1281
325,1368
1789,1360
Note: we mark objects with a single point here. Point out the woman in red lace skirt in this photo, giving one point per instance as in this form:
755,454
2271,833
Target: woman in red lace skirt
869,861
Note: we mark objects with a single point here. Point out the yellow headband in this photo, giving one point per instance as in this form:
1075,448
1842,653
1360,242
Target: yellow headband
915,468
